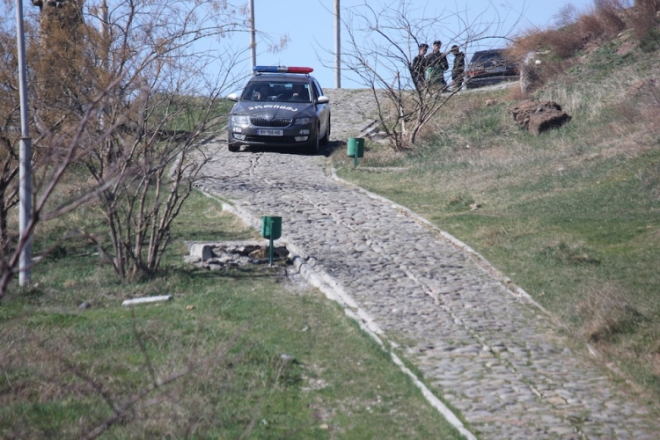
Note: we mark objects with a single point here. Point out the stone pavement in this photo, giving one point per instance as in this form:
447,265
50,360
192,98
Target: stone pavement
493,356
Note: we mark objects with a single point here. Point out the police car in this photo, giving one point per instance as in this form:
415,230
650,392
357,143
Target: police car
280,107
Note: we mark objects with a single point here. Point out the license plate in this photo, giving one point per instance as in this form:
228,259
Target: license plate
497,69
267,132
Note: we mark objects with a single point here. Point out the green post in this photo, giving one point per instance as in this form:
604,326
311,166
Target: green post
270,247
355,149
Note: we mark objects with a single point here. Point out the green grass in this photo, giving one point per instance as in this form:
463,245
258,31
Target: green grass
184,114
572,216
226,330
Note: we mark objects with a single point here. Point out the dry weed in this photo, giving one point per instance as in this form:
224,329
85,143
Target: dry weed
491,236
515,94
574,32
610,13
606,313
567,15
590,27
644,18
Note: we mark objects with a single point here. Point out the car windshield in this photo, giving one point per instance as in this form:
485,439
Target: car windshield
277,91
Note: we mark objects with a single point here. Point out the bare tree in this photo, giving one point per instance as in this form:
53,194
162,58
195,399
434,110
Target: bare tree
131,99
9,135
154,123
52,156
382,41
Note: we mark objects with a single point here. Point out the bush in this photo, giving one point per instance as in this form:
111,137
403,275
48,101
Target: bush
574,30
644,24
610,15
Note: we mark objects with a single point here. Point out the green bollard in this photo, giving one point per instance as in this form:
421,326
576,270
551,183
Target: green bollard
355,149
271,228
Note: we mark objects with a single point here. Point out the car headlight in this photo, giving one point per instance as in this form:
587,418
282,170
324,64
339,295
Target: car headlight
302,121
240,119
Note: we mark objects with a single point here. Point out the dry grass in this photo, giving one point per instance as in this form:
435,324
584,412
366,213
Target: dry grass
606,313
612,323
583,31
644,18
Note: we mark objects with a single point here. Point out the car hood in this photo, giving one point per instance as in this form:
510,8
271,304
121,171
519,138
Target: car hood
274,110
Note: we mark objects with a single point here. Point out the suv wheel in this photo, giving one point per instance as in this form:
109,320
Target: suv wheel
314,147
326,137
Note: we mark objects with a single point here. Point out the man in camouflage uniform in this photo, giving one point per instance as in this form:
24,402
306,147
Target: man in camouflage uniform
418,67
458,69
437,64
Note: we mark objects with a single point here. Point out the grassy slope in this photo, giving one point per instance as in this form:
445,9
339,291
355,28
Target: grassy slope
572,216
60,365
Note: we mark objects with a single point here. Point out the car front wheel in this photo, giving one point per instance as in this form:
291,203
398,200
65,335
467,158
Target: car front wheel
326,137
314,146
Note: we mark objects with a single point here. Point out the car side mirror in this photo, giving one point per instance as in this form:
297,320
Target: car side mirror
322,100
232,97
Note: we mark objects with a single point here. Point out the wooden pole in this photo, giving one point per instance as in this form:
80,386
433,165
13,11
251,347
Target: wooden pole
337,45
253,42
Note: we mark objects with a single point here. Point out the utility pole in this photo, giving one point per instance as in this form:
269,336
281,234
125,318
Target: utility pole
105,54
253,43
337,46
24,171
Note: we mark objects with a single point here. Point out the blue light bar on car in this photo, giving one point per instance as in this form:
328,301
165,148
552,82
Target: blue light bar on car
282,69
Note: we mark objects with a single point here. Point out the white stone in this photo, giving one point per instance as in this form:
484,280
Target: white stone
146,300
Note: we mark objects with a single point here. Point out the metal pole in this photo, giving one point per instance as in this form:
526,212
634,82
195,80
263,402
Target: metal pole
337,46
270,235
253,42
24,172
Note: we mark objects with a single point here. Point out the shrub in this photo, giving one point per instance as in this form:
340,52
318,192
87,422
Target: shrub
574,30
610,15
644,24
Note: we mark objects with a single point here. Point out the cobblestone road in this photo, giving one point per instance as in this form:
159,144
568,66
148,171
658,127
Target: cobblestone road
495,357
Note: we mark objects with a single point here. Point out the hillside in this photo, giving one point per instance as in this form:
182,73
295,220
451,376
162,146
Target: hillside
572,215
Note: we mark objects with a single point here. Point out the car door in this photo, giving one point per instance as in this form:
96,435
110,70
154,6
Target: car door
322,110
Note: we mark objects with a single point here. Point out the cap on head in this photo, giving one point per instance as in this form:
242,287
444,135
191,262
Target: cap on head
423,46
437,43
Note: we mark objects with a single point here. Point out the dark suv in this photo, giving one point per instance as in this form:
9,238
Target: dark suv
280,107
490,67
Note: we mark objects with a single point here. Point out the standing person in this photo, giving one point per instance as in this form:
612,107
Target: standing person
437,64
458,69
418,67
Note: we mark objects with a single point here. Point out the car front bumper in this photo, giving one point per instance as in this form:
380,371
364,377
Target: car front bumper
291,136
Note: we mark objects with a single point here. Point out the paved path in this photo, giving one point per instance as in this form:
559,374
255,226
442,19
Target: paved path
495,357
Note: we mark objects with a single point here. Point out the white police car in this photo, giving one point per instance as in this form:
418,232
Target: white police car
280,107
